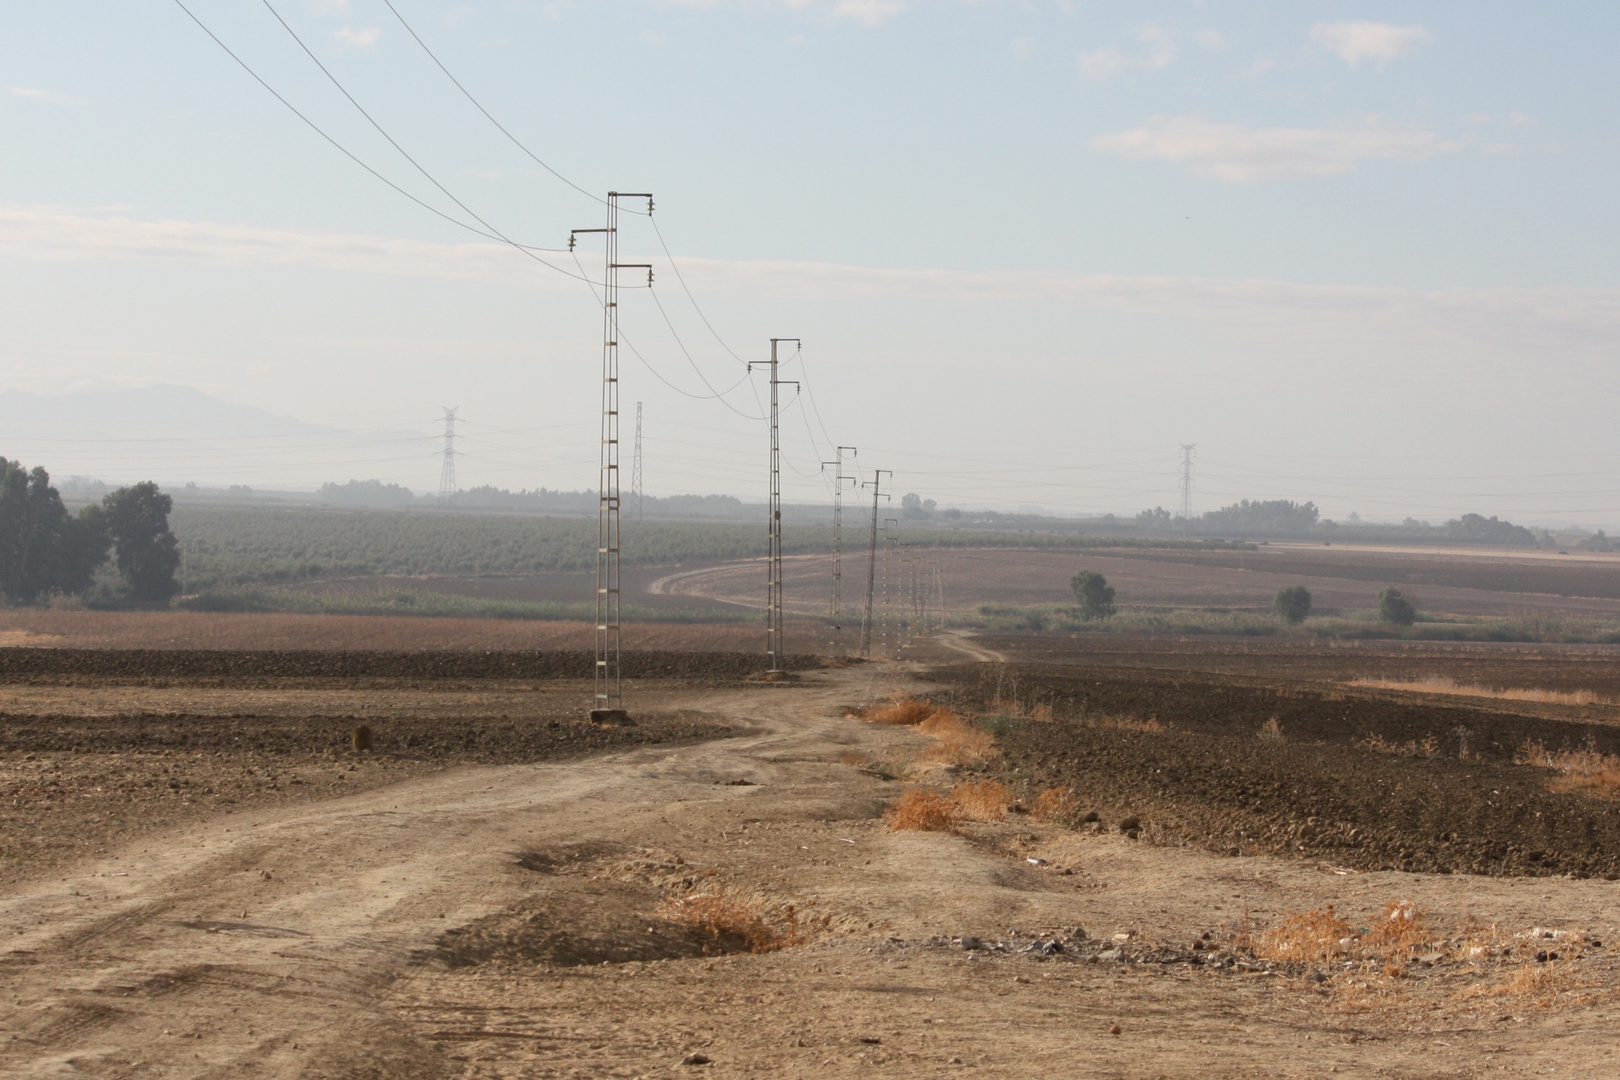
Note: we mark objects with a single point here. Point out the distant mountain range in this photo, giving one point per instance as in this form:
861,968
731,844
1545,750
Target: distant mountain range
163,411
179,434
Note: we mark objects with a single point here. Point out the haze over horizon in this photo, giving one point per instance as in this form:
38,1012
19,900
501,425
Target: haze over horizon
1361,254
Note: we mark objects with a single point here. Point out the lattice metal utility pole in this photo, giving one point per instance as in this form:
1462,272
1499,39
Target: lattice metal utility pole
609,687
888,591
838,534
447,470
871,560
939,595
773,574
1187,478
635,466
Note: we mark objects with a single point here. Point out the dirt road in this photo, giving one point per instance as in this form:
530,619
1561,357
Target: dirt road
505,921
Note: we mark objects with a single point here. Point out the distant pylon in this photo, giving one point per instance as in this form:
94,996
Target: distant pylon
635,465
1187,478
447,471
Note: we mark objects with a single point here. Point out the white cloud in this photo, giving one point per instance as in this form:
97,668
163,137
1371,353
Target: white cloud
60,234
1355,42
1239,155
869,12
34,94
866,12
363,38
1155,49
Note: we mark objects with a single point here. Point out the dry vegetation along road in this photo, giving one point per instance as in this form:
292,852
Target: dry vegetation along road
514,921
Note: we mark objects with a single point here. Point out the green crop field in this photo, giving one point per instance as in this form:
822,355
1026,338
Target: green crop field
231,548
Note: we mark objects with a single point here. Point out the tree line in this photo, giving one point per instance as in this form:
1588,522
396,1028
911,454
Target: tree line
47,550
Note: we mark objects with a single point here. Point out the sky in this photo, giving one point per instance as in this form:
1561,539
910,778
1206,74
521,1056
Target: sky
1357,253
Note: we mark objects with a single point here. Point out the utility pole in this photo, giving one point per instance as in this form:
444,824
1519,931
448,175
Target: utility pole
888,591
773,575
447,470
871,561
609,701
635,466
838,535
1187,478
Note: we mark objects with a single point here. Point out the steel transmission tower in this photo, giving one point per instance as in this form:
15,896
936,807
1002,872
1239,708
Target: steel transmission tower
838,535
447,471
773,574
1187,478
635,466
609,687
871,560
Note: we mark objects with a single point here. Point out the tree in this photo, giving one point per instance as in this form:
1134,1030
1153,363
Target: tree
1293,603
1093,593
137,519
913,505
43,548
1396,609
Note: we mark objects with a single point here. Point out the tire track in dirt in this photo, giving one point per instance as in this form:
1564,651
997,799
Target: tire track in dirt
307,942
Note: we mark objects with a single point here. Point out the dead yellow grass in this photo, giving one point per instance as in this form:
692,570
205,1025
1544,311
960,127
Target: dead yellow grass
900,711
1543,985
1060,805
1439,684
1429,747
960,743
1586,770
1310,937
1401,927
922,810
736,922
1125,723
985,800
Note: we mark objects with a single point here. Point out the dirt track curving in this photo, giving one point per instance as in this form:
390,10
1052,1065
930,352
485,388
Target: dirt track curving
455,925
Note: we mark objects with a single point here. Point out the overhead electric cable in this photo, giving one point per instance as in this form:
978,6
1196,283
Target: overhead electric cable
498,125
526,249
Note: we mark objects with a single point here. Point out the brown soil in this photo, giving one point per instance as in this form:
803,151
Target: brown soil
516,920
1450,800
122,664
215,630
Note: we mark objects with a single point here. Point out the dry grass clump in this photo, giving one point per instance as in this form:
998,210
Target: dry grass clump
1541,983
1057,804
985,800
1440,684
1401,926
736,923
1310,937
1429,747
906,710
1585,770
960,743
923,810
1125,723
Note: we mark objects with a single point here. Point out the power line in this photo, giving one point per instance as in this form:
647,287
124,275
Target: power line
493,234
498,125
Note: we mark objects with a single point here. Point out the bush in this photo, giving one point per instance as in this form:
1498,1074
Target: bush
1093,593
1395,609
1293,603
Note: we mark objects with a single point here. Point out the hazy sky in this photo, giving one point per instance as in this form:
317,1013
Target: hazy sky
1362,253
